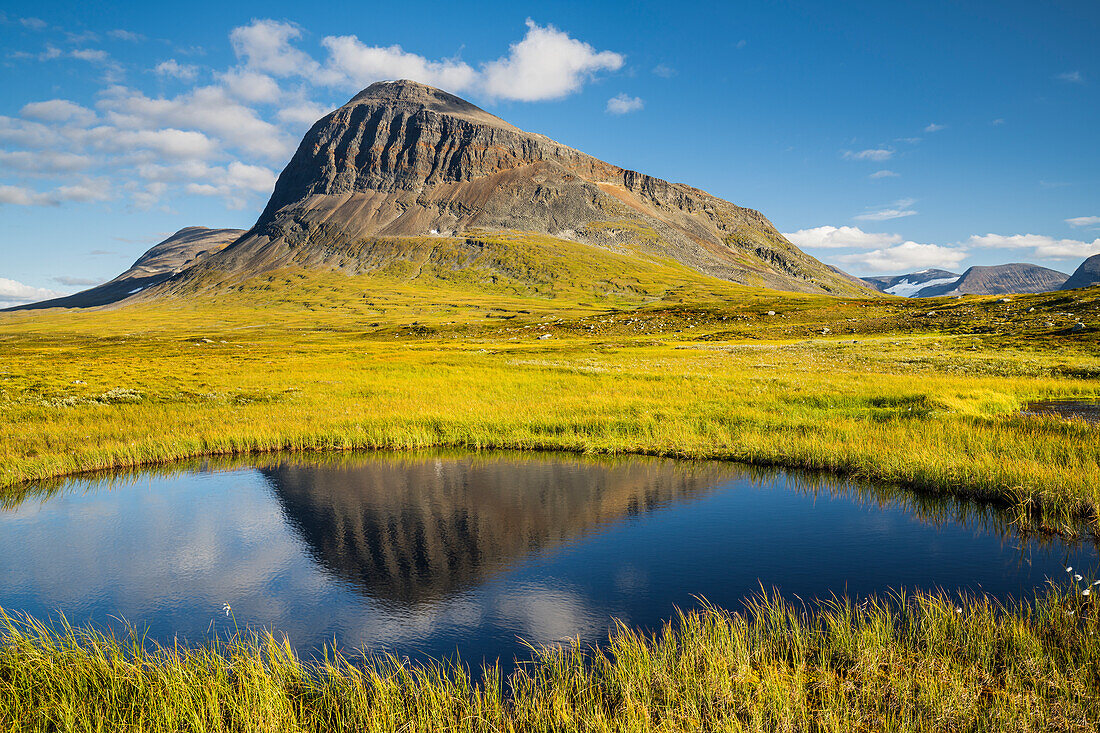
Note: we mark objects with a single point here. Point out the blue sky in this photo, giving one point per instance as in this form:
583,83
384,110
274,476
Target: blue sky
881,137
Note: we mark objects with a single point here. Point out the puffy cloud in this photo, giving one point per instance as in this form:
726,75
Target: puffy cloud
933,127
877,154
238,181
1040,245
302,114
13,292
905,257
265,45
168,142
250,86
1083,221
176,70
896,210
883,174
830,237
353,64
57,110
89,190
93,55
622,104
43,162
546,64
207,109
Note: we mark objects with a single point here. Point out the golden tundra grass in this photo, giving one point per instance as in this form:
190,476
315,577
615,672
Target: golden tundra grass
878,389
914,663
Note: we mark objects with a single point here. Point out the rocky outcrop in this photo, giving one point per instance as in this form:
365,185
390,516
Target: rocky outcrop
404,159
1084,276
180,251
1017,277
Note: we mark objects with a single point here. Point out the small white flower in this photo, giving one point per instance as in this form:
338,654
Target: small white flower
1097,583
1076,577
1069,569
958,610
227,608
1086,591
1069,613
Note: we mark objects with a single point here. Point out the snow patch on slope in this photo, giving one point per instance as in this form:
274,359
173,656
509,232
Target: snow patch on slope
907,289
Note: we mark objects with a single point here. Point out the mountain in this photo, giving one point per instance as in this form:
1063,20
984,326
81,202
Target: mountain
1085,275
911,284
175,254
405,178
1017,277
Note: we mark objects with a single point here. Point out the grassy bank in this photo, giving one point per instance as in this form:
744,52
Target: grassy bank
879,389
918,663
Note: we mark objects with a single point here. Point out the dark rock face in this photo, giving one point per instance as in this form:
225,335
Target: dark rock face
180,251
404,159
911,284
1018,277
1085,275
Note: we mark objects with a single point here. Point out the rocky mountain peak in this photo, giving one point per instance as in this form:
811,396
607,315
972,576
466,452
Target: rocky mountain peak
413,96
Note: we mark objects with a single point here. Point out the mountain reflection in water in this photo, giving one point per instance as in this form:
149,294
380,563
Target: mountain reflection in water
429,554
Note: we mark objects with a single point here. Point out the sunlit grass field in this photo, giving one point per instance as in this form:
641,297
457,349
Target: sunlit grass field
552,348
926,394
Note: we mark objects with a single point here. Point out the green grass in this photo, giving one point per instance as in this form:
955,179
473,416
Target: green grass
924,662
924,394
439,343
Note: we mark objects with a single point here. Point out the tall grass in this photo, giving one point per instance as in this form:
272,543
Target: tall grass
897,663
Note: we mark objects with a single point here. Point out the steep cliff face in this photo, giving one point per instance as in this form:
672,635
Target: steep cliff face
403,159
1084,276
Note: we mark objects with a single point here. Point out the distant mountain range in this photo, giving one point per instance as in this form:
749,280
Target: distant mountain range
1016,277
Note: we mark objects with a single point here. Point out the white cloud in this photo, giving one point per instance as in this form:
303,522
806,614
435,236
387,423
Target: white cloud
72,281
876,154
168,142
88,190
1071,77
354,65
830,237
250,86
265,46
93,55
207,109
176,70
302,114
933,127
884,174
43,162
896,210
546,64
123,35
1040,245
57,110
906,257
664,71
622,104
13,292
998,122
35,24
1083,221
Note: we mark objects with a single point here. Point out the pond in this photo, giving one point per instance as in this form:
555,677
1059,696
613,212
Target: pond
426,555
1087,410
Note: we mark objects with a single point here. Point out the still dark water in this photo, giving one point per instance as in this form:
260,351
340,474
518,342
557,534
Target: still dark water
426,555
